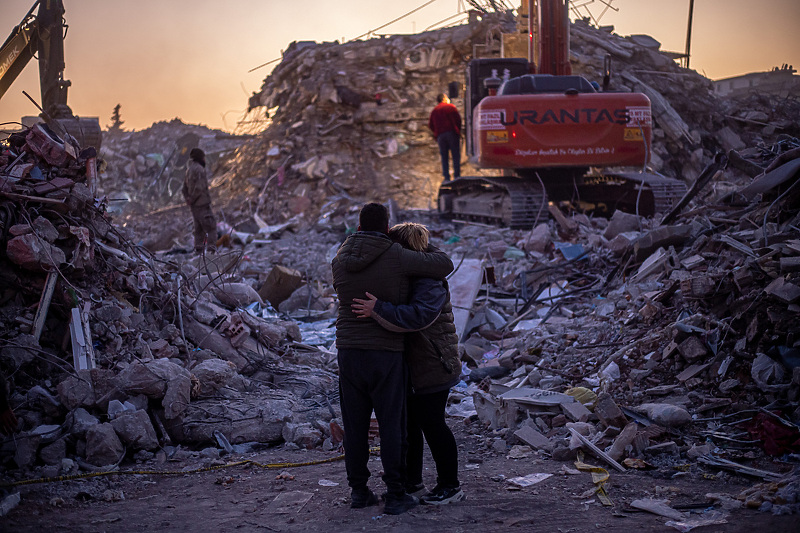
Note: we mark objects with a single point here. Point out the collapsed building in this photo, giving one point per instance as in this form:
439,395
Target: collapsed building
629,337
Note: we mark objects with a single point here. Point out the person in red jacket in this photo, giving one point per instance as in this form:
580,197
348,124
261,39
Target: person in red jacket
445,123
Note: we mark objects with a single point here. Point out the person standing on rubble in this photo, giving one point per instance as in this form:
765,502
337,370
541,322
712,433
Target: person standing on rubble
195,191
431,352
445,123
372,373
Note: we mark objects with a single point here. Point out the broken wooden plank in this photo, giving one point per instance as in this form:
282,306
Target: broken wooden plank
44,304
692,371
659,507
733,243
81,336
784,291
790,264
719,462
709,174
568,226
597,451
42,200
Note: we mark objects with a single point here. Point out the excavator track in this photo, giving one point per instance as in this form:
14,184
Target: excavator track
503,201
633,192
521,203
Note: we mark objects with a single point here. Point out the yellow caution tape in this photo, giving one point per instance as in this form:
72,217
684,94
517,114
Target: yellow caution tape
599,478
170,472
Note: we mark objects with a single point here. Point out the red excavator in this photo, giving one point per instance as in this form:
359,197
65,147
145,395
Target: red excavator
554,136
41,35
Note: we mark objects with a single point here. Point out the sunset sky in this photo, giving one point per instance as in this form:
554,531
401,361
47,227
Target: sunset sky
162,59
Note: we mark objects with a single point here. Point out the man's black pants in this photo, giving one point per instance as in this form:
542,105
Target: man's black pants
450,144
373,379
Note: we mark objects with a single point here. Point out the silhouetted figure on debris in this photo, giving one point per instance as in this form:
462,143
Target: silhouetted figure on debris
195,191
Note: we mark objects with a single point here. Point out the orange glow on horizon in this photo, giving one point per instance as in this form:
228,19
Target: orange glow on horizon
190,60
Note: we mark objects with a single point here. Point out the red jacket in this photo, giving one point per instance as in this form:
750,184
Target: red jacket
445,117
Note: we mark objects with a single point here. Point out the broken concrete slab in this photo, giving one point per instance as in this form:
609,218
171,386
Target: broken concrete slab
622,441
661,237
304,435
783,291
576,411
665,414
214,374
609,412
280,284
620,223
251,419
103,446
533,438
33,253
80,420
534,396
77,391
135,430
158,379
692,349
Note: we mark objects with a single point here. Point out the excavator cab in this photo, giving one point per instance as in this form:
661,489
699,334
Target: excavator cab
478,71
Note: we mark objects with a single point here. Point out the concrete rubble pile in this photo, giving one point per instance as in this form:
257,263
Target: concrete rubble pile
648,343
350,120
114,353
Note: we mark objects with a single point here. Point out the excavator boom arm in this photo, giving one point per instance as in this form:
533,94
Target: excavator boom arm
16,52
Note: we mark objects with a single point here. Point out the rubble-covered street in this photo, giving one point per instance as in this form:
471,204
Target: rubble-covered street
617,373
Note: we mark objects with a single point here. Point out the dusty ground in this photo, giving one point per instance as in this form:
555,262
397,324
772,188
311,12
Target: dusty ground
249,498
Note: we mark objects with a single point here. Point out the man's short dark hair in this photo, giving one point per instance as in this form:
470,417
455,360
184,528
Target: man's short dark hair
374,217
440,97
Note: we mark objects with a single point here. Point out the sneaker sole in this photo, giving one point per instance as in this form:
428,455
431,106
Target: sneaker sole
458,497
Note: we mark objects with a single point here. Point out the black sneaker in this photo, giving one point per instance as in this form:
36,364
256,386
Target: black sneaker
360,498
443,495
399,504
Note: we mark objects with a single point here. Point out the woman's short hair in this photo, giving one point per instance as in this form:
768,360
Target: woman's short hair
410,235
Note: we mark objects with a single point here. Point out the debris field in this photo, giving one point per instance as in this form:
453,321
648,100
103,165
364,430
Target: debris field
665,346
